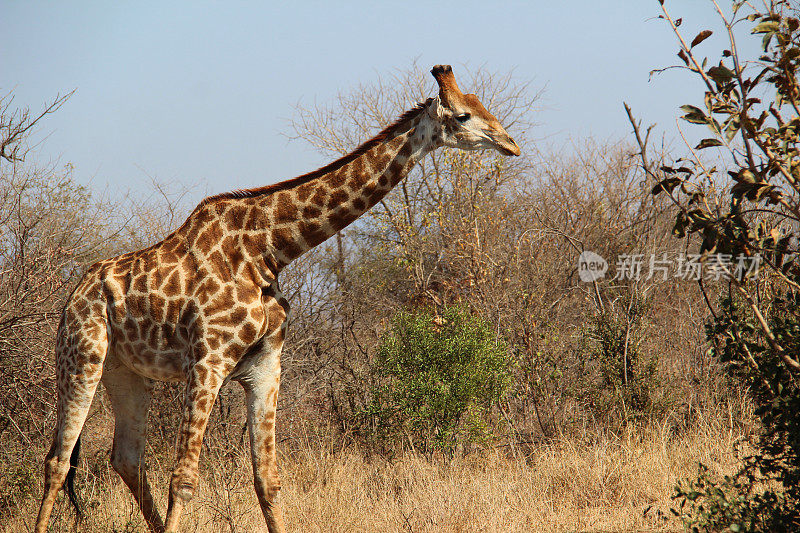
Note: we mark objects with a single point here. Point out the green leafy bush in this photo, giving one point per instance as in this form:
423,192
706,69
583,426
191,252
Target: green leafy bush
439,376
764,494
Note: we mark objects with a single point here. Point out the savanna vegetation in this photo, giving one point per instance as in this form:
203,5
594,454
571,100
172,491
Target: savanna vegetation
447,366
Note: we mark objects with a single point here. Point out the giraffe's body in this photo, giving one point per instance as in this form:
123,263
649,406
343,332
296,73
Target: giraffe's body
203,307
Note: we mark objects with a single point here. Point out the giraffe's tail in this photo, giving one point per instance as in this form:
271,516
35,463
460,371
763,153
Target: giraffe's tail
69,483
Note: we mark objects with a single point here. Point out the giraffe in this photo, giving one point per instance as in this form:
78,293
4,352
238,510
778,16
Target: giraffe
204,307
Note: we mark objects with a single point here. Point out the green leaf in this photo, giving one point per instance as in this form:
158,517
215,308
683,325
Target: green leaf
691,109
707,143
769,26
696,119
681,223
694,115
714,126
759,192
667,184
732,128
746,176
766,40
720,74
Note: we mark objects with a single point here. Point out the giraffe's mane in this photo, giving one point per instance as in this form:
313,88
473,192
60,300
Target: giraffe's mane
387,133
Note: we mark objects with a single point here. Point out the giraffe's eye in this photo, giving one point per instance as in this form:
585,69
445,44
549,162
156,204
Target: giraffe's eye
463,117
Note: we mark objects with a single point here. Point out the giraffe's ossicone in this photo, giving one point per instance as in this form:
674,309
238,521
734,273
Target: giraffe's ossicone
203,306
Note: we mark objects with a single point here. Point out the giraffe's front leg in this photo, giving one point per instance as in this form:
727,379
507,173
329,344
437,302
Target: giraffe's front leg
262,399
202,389
261,385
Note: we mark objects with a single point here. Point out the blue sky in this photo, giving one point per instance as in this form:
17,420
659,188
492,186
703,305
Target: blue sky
200,93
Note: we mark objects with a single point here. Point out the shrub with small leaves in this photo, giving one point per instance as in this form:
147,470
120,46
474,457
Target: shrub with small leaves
628,379
439,377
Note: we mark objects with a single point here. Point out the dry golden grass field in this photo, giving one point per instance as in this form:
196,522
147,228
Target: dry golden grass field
621,483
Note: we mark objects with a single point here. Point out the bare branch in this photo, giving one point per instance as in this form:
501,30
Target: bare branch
15,126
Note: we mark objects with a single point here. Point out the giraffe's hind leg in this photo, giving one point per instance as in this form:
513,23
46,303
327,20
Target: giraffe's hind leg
79,365
130,396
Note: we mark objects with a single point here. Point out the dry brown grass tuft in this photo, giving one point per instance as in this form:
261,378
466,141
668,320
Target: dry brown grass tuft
619,483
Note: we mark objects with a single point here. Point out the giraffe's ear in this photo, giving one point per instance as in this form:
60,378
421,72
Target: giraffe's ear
435,109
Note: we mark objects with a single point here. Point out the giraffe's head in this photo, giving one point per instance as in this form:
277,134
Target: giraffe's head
465,123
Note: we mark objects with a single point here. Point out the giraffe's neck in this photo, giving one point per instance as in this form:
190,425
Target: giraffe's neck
305,215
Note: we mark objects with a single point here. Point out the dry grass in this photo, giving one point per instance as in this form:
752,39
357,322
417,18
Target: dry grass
618,484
